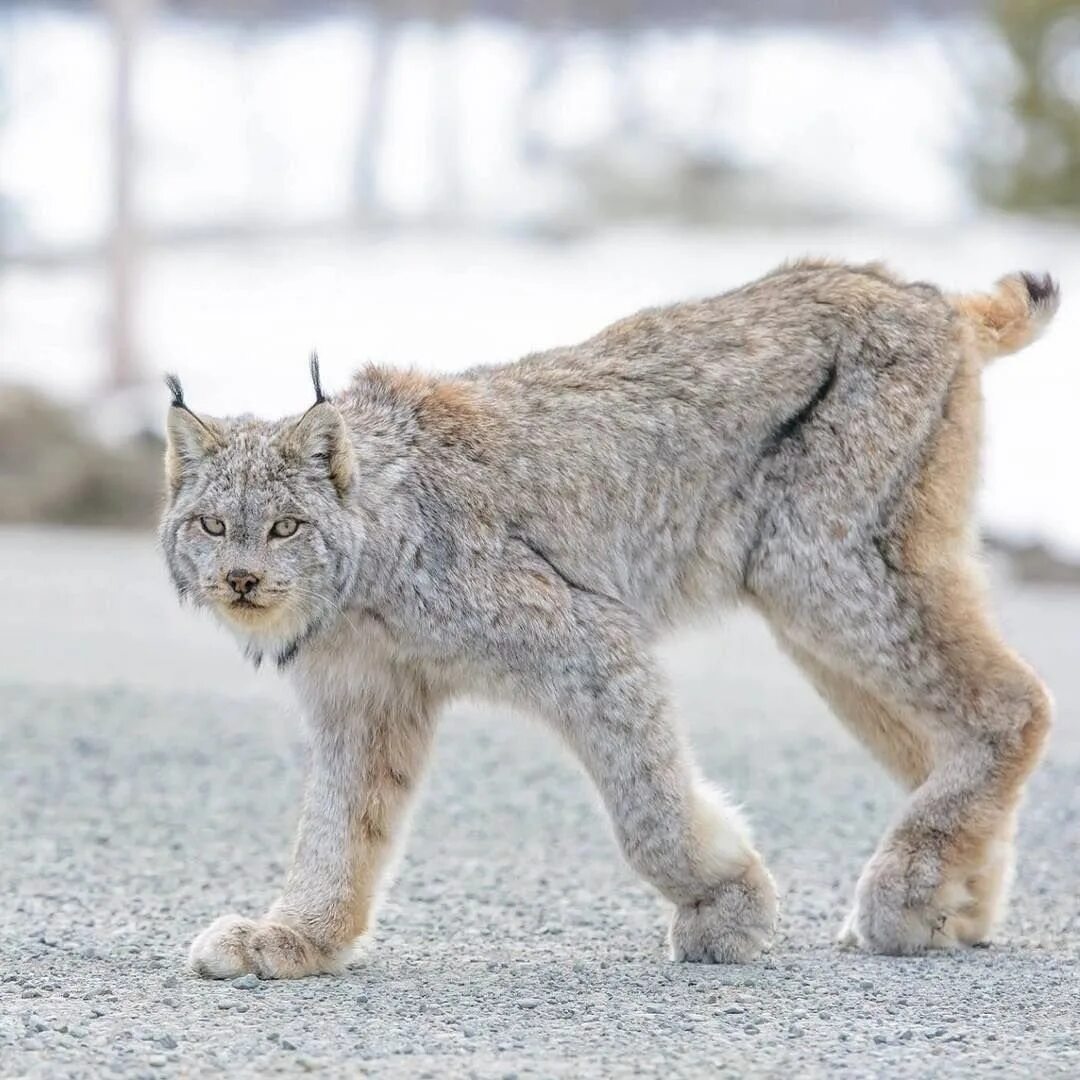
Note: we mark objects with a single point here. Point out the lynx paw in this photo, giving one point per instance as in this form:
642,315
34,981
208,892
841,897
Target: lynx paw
898,931
233,945
902,908
732,926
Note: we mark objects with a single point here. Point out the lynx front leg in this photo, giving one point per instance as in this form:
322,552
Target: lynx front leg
368,750
588,673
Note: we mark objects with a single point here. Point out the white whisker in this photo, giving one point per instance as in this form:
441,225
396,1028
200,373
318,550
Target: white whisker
311,594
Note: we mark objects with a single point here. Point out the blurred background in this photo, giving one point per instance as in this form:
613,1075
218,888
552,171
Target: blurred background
216,187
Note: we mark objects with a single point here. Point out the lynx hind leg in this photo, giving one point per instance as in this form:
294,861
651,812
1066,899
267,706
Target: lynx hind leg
924,648
896,738
988,887
893,735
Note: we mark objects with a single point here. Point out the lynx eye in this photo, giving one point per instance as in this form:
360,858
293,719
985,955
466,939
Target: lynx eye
284,527
212,525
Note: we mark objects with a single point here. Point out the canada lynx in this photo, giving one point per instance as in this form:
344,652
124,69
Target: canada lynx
807,444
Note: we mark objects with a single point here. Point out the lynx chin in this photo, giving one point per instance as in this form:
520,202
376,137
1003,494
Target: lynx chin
806,444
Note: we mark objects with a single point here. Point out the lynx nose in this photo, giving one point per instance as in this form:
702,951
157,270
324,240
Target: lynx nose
242,581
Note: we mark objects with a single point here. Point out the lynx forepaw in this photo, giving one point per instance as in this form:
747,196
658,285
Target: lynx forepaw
233,945
732,926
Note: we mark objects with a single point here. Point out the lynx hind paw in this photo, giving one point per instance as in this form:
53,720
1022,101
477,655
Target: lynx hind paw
233,945
899,932
897,916
733,926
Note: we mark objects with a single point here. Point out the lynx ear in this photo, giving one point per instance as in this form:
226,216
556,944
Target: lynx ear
320,438
190,439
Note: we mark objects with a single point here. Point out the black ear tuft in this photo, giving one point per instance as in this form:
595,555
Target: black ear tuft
320,397
177,391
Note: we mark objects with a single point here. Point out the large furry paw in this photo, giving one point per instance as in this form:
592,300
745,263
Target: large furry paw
732,926
904,907
233,945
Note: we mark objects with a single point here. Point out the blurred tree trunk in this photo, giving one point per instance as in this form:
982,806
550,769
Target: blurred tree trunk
446,115
381,25
126,21
547,21
629,115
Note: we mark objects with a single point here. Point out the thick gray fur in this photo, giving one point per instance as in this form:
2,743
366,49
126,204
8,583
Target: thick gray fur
805,444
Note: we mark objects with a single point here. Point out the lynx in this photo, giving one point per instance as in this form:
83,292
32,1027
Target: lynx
806,444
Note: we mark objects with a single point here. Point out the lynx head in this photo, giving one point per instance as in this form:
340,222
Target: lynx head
257,525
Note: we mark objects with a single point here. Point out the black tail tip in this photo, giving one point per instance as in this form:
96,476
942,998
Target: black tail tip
1042,290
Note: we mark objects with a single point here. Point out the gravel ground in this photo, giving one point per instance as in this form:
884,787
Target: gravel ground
148,783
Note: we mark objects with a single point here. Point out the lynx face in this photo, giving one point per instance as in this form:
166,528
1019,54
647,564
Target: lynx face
257,529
